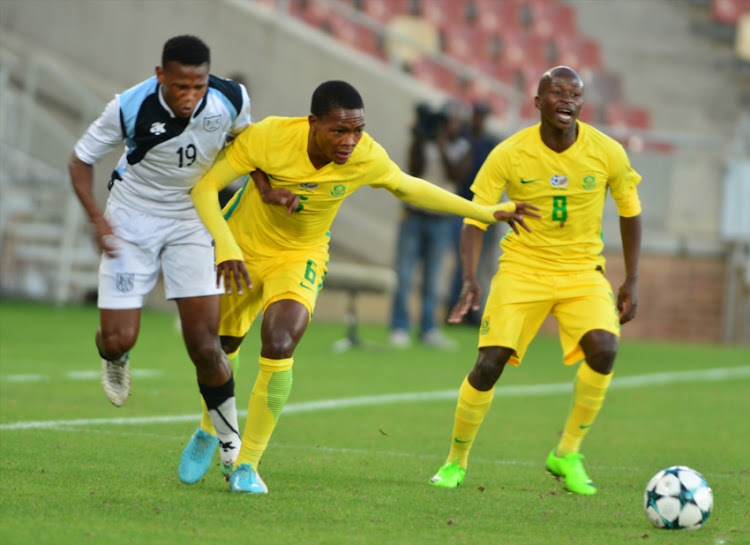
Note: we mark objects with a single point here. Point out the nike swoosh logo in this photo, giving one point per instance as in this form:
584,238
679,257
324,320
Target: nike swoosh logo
457,440
529,181
584,426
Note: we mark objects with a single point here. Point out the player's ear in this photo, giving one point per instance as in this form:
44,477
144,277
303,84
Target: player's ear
313,121
159,75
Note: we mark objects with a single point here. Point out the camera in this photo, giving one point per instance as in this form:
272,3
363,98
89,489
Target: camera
428,122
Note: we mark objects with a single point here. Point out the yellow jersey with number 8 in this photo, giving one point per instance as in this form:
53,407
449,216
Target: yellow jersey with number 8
569,188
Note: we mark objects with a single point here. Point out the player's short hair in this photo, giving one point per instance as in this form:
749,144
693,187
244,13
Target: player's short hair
187,50
333,95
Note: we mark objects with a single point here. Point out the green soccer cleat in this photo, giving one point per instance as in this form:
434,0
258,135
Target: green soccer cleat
570,469
449,476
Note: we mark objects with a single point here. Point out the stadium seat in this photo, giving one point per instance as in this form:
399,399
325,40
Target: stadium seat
498,15
624,115
409,38
549,19
469,44
359,37
728,12
385,10
578,52
479,90
445,14
521,47
430,72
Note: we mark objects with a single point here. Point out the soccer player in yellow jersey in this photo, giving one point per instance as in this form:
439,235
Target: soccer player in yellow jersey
320,159
565,168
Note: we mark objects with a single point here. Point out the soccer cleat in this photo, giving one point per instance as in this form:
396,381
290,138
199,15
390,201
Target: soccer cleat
116,379
246,479
449,476
570,468
196,458
226,471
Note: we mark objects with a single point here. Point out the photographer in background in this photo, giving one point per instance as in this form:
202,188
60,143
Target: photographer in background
438,152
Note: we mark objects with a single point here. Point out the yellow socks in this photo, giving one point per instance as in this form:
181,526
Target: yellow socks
267,399
590,389
472,406
206,424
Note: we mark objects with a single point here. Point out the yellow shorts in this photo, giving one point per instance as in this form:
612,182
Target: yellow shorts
296,275
519,302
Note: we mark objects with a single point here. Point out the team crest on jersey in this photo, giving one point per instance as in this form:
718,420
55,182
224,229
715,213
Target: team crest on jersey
124,282
308,186
589,183
212,123
558,180
485,327
157,128
338,191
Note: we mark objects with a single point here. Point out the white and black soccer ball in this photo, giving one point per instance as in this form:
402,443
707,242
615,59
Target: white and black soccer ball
678,498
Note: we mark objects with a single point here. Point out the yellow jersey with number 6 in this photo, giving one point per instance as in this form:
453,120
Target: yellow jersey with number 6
569,188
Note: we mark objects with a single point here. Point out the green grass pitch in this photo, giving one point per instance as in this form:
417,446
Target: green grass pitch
363,432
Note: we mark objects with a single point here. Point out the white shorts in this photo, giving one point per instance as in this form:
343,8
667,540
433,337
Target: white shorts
182,249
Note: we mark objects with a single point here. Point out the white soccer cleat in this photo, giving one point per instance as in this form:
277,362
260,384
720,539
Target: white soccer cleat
116,380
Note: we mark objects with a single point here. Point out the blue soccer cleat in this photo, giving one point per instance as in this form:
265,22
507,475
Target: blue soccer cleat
196,458
246,479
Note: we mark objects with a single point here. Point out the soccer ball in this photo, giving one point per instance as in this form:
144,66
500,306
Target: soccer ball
678,498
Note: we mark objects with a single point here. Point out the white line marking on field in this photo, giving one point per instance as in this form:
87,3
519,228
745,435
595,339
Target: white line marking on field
97,374
24,378
706,375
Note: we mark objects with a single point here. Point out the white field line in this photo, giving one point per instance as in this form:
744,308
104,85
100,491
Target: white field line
78,375
636,381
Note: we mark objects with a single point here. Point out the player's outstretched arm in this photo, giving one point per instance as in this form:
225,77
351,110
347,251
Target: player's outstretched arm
426,195
205,197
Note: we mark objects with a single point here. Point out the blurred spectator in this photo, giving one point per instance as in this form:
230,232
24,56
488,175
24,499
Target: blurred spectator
481,143
439,153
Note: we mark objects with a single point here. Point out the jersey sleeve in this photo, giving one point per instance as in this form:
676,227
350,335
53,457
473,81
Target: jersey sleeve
243,119
103,136
381,170
623,183
490,183
245,152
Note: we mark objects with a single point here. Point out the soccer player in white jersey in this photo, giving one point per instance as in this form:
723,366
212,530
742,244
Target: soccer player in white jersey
173,126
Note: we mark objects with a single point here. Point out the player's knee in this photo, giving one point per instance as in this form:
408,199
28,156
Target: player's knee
204,352
279,344
602,360
489,367
114,343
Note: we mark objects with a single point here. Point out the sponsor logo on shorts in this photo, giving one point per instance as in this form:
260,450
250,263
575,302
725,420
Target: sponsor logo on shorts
485,327
124,282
